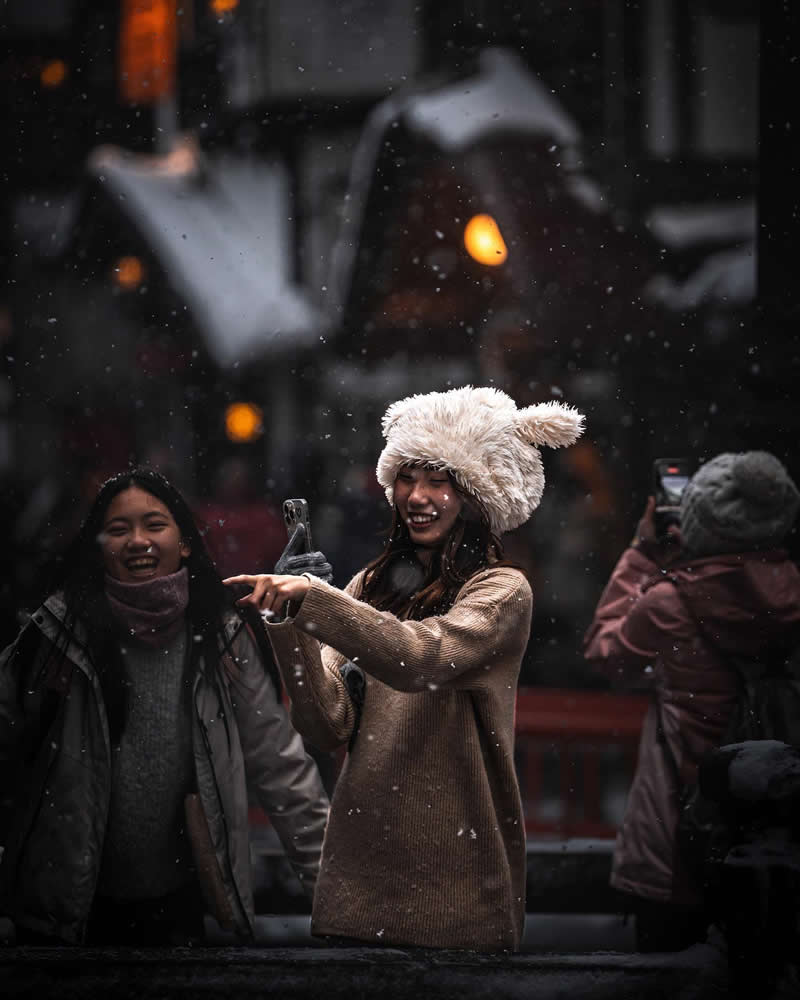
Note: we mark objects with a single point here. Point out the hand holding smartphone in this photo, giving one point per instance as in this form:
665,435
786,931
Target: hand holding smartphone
670,478
296,512
299,556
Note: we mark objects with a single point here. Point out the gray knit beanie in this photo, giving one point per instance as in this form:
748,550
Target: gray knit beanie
738,502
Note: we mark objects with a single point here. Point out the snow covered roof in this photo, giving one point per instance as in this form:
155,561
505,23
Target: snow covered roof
682,226
221,230
727,276
504,96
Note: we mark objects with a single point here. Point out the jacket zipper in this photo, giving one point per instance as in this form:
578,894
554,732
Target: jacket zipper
31,826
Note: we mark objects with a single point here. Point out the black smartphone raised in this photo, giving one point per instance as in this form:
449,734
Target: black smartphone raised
670,478
296,512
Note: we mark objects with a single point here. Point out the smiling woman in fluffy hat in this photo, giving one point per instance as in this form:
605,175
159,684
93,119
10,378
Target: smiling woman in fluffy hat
425,843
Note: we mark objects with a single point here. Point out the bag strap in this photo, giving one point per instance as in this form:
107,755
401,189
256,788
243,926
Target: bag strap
661,738
661,735
356,685
698,621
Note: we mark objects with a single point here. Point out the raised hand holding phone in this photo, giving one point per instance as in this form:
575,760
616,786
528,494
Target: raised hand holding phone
271,594
661,548
297,558
670,478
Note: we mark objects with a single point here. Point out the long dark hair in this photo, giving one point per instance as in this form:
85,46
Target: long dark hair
80,576
398,582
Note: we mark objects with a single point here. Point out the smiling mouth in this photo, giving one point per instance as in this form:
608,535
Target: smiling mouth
141,564
421,520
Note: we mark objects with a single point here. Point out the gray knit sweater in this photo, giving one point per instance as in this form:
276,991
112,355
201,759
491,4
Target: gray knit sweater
147,853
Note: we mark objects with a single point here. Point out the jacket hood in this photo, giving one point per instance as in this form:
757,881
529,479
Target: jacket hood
745,600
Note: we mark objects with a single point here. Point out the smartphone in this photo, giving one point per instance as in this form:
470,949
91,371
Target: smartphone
670,478
296,512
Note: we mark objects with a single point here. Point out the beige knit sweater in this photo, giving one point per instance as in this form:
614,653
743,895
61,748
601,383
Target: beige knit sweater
425,843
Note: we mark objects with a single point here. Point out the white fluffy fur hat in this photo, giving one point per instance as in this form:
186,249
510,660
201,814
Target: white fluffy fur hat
479,436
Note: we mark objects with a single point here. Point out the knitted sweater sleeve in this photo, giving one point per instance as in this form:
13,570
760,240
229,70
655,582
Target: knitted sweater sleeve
321,708
630,623
490,619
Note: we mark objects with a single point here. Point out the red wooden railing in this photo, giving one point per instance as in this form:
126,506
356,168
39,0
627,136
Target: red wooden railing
575,757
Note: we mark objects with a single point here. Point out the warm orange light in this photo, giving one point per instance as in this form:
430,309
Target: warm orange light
243,421
484,242
148,43
54,73
223,6
129,273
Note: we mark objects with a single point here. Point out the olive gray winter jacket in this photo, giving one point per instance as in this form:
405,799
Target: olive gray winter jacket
55,777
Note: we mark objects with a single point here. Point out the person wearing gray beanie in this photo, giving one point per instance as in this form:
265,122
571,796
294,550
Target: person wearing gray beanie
676,613
737,502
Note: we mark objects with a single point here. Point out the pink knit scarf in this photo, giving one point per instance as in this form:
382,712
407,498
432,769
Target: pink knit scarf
153,612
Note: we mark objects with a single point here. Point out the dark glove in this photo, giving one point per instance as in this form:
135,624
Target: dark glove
294,562
661,550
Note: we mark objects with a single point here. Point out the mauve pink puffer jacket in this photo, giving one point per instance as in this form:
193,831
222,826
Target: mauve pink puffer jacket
644,636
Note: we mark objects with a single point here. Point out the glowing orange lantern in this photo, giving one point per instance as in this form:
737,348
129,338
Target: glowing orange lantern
243,422
53,73
129,273
484,241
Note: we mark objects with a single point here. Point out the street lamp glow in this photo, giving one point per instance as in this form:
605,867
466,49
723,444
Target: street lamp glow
484,241
129,273
243,422
53,74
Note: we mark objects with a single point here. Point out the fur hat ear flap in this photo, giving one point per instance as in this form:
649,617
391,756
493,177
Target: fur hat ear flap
553,424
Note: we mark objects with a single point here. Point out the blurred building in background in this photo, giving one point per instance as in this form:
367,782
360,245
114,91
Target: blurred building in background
234,231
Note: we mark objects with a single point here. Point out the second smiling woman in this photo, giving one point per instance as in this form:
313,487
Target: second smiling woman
425,844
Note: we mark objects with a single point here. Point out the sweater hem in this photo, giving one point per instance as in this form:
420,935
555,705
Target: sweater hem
389,940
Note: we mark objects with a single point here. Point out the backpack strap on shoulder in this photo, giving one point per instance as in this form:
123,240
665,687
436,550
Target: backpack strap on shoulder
356,685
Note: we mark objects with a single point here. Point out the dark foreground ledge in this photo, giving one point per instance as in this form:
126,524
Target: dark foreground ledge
352,973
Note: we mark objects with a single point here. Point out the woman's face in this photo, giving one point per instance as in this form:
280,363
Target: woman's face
140,539
427,503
